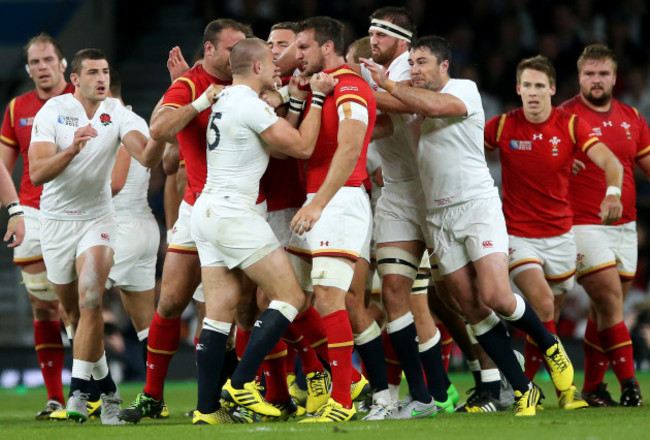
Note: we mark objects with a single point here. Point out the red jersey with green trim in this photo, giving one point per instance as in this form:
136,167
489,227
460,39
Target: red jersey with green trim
626,133
17,133
351,88
536,161
191,139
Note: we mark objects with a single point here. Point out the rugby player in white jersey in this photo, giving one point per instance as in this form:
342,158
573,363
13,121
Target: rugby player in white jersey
75,139
137,238
465,224
398,219
233,238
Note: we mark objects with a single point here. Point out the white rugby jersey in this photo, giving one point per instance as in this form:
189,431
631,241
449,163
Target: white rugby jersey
450,152
132,201
237,155
82,191
397,154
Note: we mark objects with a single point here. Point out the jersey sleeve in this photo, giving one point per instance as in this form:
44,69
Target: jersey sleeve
581,134
44,128
466,91
130,121
352,96
643,146
8,133
259,116
180,93
493,129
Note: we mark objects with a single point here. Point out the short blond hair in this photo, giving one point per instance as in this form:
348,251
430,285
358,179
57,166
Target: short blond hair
597,52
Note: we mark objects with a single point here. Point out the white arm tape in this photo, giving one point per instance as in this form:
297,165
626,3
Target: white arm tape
353,110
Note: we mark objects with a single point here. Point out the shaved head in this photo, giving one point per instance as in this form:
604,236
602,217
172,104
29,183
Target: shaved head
245,53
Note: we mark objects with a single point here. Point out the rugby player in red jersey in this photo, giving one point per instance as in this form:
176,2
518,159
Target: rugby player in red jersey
46,66
536,144
607,253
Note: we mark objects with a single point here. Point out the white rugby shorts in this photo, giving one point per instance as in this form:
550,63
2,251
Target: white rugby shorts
602,247
280,222
230,233
63,241
181,240
343,230
400,213
466,232
136,252
29,250
554,256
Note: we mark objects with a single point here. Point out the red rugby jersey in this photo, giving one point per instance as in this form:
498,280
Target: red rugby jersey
17,133
536,160
283,184
350,88
626,133
191,138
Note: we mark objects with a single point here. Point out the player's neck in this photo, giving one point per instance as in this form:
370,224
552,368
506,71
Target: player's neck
333,62
597,108
89,106
249,82
538,118
51,93
392,60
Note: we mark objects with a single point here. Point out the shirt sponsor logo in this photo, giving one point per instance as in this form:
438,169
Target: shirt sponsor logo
487,244
69,121
26,122
349,89
105,236
324,243
521,145
597,131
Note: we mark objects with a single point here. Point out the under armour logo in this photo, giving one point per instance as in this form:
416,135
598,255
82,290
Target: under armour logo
258,323
607,124
537,136
334,363
200,347
324,243
417,339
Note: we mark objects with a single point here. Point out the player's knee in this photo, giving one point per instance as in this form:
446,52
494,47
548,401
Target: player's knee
39,286
91,298
331,272
396,261
302,269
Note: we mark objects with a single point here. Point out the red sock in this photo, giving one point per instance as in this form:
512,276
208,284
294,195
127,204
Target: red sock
446,340
241,342
340,344
164,336
310,324
49,351
596,361
618,348
533,357
393,367
275,374
300,346
290,360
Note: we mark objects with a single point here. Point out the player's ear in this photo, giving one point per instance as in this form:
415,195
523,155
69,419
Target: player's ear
27,70
64,63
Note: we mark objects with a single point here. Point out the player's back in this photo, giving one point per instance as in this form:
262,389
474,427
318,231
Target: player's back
237,156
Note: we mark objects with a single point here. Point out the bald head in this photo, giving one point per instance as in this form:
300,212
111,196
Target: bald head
246,53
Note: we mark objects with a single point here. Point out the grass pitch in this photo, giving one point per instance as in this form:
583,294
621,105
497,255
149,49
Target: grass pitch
18,407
